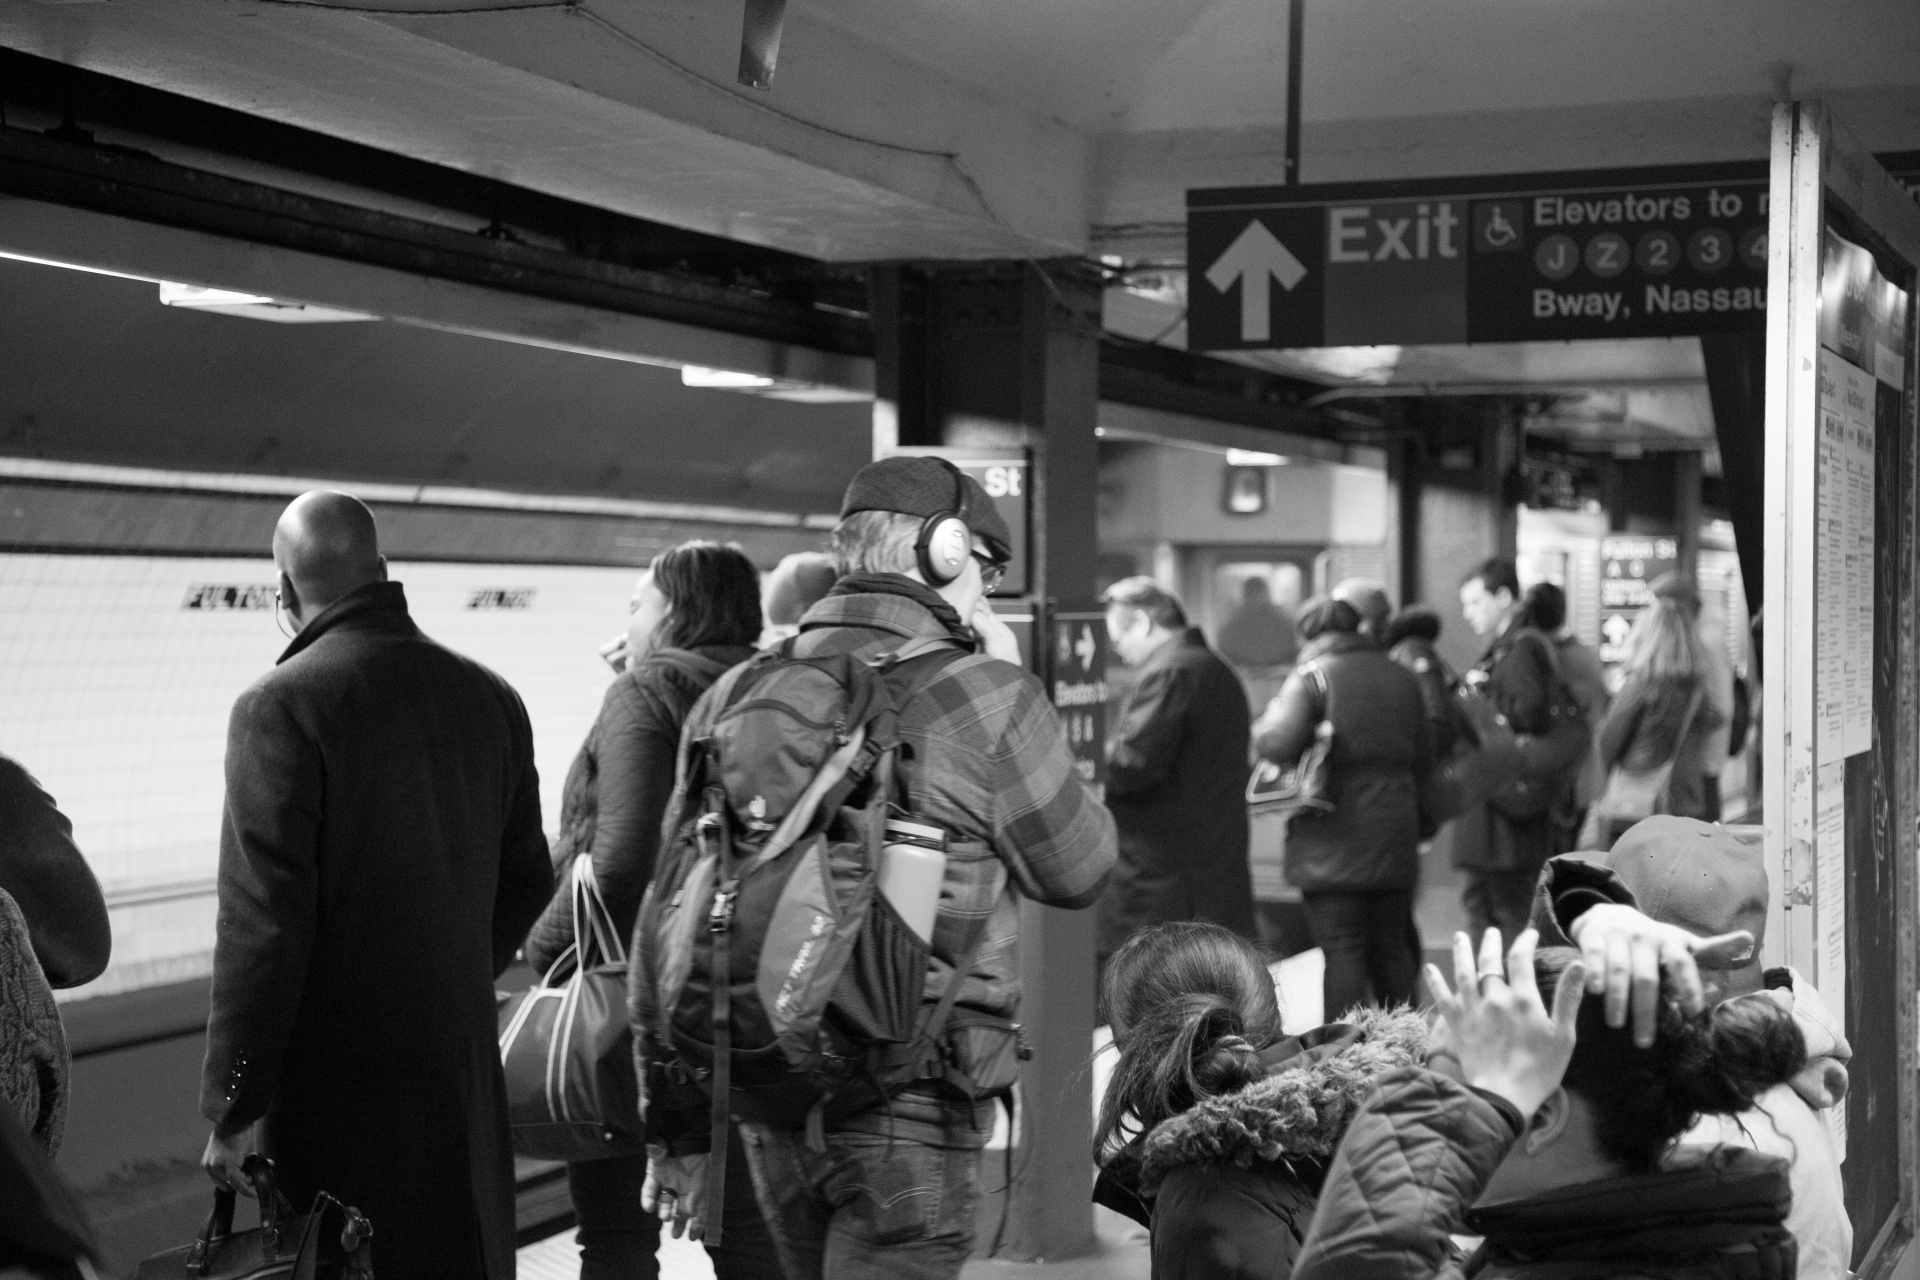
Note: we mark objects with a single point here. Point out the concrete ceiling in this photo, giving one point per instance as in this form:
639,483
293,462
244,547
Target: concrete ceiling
975,128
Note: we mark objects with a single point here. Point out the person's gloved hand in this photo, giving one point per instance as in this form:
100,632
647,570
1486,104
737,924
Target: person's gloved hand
1626,952
676,1192
1499,1032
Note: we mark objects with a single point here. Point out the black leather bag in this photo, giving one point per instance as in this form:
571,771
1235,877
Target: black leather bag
331,1242
1306,788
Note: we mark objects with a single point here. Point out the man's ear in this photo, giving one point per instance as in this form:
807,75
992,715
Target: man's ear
1548,1123
383,568
289,598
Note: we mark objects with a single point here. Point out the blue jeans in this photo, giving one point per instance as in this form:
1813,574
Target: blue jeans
866,1208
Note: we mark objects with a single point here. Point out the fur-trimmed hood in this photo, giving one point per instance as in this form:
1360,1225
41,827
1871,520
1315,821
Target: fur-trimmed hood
1299,1111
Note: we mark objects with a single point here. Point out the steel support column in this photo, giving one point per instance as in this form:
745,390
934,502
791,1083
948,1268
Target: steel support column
991,355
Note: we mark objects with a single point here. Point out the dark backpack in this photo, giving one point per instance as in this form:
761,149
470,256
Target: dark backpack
770,879
1549,760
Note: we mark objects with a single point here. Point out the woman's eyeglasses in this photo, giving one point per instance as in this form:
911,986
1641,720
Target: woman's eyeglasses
991,571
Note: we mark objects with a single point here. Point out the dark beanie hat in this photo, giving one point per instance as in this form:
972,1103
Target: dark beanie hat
918,485
1323,614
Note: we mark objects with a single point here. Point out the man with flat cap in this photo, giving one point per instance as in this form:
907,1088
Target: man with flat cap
891,1192
381,857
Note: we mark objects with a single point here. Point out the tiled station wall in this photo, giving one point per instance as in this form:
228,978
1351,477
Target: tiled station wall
117,674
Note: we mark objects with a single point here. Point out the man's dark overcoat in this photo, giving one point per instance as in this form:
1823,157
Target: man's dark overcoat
1177,786
381,858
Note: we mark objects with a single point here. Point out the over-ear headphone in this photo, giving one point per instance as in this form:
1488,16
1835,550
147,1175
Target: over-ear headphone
945,543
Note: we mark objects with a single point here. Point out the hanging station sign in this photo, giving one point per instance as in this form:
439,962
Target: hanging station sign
1643,253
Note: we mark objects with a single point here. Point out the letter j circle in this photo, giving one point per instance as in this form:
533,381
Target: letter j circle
1556,257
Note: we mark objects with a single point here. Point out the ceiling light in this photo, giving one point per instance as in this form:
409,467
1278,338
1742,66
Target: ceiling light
693,375
1253,458
252,305
69,266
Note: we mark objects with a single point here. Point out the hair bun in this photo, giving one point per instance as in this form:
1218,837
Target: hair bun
1750,1046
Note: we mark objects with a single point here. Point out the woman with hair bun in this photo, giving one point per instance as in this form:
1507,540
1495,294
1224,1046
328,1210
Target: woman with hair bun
1217,1128
1554,1137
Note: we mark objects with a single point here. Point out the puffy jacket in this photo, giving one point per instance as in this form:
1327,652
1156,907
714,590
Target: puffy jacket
1382,752
618,785
1420,1152
1640,733
1229,1186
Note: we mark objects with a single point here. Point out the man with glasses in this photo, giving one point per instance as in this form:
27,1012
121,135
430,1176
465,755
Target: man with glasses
1176,774
891,1193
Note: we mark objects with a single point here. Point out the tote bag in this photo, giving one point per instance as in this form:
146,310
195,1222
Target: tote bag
567,1049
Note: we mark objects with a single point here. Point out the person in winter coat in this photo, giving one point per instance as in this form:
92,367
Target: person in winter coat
381,857
1663,694
1176,775
1552,1137
1703,878
1544,608
34,1061
1410,640
694,613
1217,1127
1356,867
1502,855
49,880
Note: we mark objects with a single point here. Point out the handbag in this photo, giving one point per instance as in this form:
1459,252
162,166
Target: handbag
567,1049
300,1247
1633,794
1306,787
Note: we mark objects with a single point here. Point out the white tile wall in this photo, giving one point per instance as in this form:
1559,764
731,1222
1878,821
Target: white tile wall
116,696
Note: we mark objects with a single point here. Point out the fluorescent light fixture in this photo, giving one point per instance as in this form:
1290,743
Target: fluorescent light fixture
693,375
252,305
69,266
1254,458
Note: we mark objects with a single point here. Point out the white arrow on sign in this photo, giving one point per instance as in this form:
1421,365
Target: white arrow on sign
1253,258
1086,648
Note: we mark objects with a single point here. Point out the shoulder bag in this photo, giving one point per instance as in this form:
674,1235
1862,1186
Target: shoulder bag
297,1247
566,1046
1633,794
1306,787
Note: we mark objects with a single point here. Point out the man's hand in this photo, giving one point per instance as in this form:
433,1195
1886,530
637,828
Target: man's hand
1626,952
1501,1035
676,1192
995,636
226,1151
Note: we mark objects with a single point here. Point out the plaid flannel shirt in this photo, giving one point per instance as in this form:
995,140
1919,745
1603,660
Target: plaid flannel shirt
991,767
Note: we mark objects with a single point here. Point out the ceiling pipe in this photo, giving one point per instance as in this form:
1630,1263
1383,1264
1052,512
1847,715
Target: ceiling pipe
1400,390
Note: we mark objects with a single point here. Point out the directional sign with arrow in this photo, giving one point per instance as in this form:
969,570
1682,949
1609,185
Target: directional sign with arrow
1258,278
1251,260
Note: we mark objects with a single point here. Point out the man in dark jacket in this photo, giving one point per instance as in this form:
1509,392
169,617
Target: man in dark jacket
381,858
1176,775
1358,866
1502,855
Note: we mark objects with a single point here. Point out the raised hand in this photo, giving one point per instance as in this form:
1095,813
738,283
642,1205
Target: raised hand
1502,1035
1626,952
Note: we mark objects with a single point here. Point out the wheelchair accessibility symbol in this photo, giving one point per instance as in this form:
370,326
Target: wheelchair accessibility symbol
1497,226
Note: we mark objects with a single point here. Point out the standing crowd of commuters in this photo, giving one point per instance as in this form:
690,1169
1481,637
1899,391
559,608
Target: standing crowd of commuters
1624,1088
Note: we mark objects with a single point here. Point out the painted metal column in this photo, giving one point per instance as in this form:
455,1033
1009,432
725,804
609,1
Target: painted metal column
992,355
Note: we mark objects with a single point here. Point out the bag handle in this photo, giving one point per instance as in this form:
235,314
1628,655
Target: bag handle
593,932
355,1233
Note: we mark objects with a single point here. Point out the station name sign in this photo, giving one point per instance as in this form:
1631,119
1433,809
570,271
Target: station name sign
1643,253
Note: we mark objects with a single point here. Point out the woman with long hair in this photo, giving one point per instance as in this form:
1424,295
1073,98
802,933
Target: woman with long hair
1555,1138
1217,1127
1660,720
694,613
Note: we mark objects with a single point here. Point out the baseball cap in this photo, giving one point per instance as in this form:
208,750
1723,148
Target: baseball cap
918,485
1697,875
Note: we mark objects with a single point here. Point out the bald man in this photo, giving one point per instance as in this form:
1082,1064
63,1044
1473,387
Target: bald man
381,858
